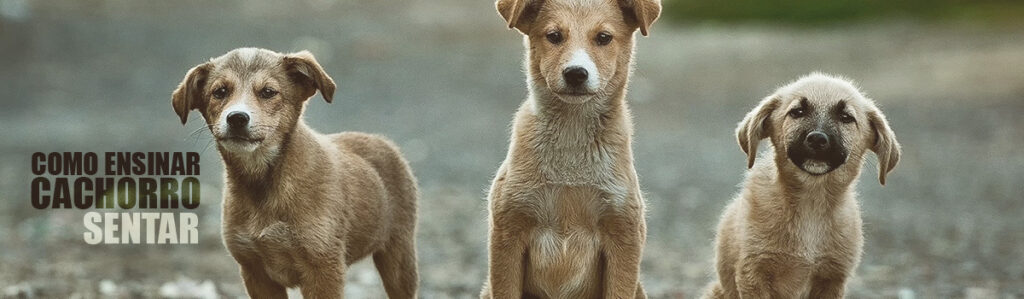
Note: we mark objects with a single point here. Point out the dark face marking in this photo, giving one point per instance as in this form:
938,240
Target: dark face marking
817,145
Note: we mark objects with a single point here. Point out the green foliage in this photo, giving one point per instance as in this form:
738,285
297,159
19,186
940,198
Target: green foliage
817,12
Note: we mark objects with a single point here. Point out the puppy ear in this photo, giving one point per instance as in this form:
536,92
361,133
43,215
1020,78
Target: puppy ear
885,145
189,94
518,14
755,126
642,13
304,66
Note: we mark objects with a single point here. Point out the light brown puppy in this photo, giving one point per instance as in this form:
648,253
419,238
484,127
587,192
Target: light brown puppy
566,211
794,231
299,206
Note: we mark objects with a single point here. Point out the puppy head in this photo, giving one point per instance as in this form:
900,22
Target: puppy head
579,49
819,123
251,98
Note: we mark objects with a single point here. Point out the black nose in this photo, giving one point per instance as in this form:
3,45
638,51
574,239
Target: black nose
238,119
574,76
817,140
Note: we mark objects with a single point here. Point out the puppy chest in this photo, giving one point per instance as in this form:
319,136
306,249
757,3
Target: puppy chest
811,234
563,263
817,238
564,250
274,247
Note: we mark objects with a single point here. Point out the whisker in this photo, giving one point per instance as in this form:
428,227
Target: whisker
208,144
198,131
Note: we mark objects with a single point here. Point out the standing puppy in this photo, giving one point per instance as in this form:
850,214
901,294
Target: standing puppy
299,206
794,231
566,213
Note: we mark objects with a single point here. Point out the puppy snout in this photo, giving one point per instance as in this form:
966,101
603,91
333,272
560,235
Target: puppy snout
817,141
238,120
575,75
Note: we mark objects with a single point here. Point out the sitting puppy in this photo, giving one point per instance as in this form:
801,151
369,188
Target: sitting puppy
299,206
794,231
566,210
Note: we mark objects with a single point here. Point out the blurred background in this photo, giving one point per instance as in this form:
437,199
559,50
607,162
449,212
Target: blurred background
443,77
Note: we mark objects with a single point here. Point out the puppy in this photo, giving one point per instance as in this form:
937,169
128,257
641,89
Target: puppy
794,231
566,211
300,206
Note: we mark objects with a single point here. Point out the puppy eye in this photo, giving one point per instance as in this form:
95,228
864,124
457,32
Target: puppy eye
267,93
554,37
603,38
797,113
846,117
220,93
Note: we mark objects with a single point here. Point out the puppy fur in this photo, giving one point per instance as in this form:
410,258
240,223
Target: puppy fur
299,206
566,211
794,231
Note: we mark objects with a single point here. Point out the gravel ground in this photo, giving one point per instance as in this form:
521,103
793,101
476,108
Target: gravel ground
442,78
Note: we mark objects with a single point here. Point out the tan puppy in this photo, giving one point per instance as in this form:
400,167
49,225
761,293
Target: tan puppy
566,211
300,206
794,231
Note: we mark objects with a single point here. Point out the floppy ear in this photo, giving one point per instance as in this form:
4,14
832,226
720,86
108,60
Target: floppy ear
189,94
885,146
518,13
304,66
755,126
642,12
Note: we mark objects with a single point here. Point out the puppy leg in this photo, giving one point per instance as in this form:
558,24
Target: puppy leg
622,255
830,281
752,281
325,280
724,286
507,245
505,277
396,264
640,294
770,275
259,285
828,288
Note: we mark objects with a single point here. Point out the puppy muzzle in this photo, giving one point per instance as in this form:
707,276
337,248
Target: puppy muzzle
817,152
